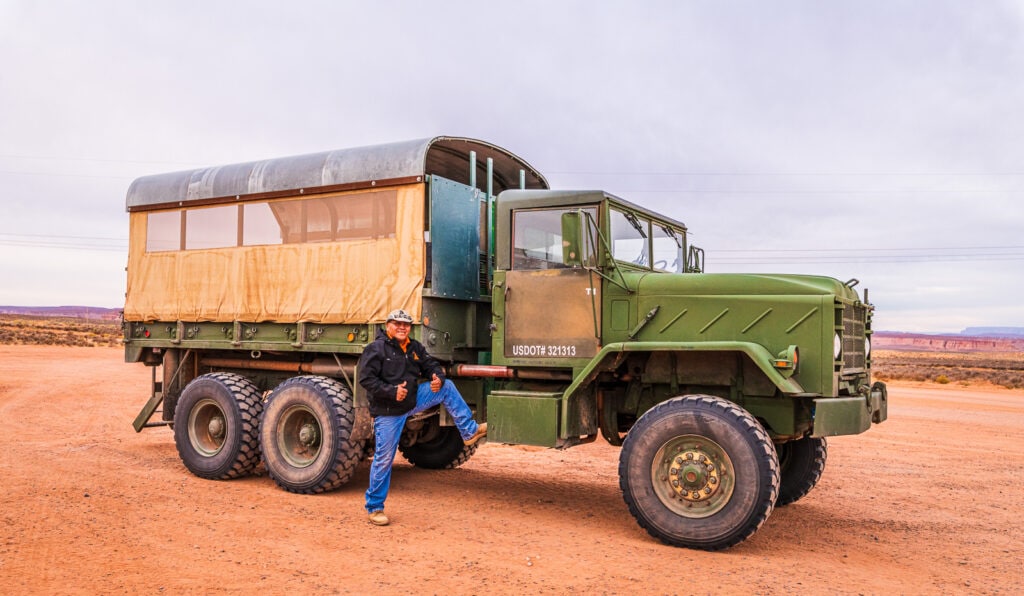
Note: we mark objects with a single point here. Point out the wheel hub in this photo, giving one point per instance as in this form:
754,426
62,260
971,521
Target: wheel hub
693,476
299,436
207,427
308,435
216,427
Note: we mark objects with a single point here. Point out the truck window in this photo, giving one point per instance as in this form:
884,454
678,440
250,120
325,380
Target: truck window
261,226
211,227
163,231
668,248
630,235
537,238
351,217
354,216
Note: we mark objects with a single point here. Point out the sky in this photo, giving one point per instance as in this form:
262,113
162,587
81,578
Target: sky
880,140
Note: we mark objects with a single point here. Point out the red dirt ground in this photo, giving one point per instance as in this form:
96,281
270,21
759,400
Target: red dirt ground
929,502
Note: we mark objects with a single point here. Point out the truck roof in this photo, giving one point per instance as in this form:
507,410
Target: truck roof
528,199
343,169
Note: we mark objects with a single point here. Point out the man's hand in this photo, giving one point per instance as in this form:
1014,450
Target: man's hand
435,384
401,391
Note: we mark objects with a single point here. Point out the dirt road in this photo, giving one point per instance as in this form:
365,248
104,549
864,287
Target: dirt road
929,502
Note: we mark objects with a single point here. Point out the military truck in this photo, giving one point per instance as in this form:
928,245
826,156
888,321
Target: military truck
560,315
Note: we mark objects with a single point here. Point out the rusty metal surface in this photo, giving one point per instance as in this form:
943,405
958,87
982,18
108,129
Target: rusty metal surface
445,156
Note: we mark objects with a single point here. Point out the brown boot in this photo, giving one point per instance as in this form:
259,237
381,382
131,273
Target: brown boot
378,518
481,430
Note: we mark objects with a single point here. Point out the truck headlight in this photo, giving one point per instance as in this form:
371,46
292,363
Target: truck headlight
867,346
837,347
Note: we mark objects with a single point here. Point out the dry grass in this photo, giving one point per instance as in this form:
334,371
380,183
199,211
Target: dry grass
58,331
997,368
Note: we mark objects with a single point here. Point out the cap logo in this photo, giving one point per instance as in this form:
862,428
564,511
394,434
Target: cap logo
399,315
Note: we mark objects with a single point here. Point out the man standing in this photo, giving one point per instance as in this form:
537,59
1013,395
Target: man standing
390,369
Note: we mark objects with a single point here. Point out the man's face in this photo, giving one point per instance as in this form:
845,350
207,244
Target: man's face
399,330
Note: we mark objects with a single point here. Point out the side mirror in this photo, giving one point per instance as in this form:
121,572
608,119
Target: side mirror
573,224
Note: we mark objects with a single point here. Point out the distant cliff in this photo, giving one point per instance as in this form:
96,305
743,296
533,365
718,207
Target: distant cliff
71,312
892,340
1007,332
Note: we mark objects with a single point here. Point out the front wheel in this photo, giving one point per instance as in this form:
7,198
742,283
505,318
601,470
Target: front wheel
216,426
306,434
801,464
700,472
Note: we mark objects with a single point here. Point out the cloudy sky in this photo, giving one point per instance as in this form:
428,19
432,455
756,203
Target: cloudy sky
881,140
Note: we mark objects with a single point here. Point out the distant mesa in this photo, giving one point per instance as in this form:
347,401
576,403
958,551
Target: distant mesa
73,312
1008,332
972,339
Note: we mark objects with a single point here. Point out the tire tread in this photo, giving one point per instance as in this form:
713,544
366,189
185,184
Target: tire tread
249,402
749,425
349,452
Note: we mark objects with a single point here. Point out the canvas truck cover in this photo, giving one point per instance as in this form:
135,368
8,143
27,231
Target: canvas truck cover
333,237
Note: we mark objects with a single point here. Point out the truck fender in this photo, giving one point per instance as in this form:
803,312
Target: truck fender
610,356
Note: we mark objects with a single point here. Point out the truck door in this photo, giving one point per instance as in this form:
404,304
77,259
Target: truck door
552,310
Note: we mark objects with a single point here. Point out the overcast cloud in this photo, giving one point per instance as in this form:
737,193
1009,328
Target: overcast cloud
877,140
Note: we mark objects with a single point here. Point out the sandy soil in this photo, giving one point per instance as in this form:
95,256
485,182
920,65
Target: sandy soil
929,502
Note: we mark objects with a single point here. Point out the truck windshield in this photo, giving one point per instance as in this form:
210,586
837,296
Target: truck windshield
537,238
630,236
668,249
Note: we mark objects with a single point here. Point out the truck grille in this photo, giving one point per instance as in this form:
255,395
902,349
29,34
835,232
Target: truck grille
854,323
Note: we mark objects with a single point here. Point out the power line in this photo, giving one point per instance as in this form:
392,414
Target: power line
50,236
786,174
96,159
64,242
938,254
855,259
781,250
65,174
822,192
76,247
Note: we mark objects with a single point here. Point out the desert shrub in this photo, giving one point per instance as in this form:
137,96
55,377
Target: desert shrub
55,331
1000,368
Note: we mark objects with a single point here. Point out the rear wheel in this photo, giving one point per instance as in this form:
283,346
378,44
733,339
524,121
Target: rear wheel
801,464
306,432
700,472
216,426
440,450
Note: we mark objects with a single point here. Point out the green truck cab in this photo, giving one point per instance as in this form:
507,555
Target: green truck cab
563,317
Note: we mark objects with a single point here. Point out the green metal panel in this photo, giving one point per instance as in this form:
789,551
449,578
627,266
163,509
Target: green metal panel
454,239
620,315
778,412
280,337
841,416
523,417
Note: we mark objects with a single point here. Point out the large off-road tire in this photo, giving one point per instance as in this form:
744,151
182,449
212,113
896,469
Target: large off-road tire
444,451
700,472
800,464
306,432
216,426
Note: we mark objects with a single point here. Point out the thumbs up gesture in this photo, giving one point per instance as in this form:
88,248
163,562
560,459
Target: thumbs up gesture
401,391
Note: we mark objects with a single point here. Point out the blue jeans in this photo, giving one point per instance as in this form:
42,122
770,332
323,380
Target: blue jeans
388,429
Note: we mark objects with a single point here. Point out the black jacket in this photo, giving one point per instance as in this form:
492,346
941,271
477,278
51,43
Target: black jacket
383,366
